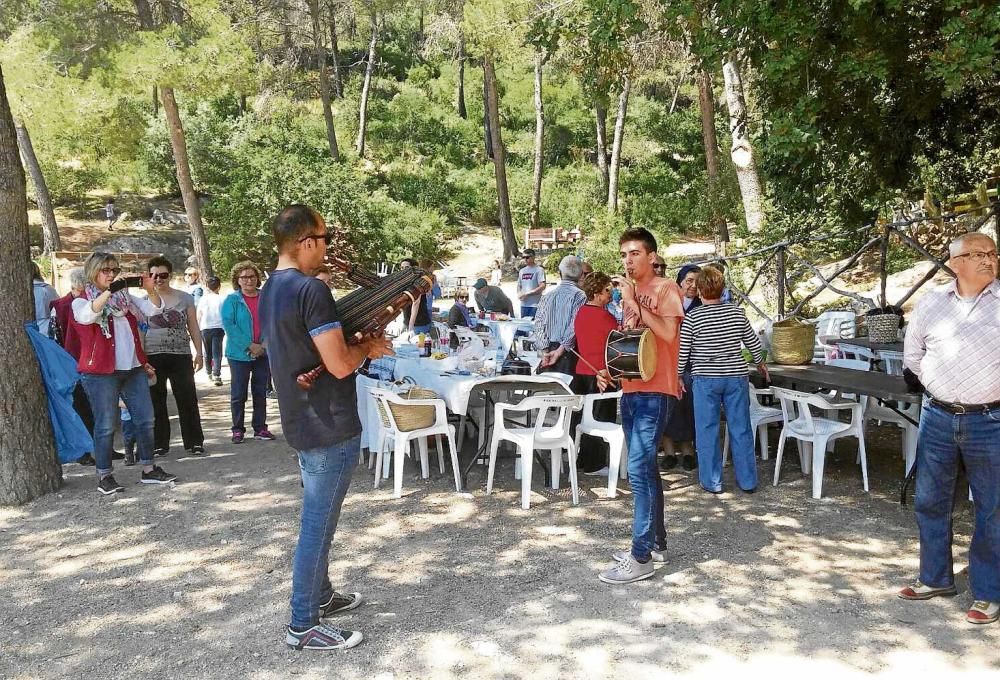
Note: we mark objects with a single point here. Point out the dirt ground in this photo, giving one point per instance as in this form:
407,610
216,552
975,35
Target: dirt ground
193,580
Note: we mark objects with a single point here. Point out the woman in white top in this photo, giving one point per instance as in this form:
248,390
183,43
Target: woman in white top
496,273
113,365
210,323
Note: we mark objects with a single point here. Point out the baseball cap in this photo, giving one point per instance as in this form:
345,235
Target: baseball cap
480,283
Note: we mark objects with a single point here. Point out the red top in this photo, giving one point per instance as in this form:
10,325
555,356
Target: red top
98,352
252,306
67,324
592,326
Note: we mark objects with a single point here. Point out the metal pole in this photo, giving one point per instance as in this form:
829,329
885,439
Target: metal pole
883,264
780,275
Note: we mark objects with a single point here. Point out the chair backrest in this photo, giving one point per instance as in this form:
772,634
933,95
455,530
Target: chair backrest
893,361
855,351
853,364
560,405
833,324
588,406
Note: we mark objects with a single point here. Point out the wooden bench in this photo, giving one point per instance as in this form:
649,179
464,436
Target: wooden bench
550,238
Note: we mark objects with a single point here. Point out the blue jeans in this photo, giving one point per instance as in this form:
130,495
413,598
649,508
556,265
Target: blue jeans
326,474
528,311
103,392
709,395
944,439
212,338
257,374
644,416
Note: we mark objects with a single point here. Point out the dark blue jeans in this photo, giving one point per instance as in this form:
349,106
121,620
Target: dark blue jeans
326,474
644,416
212,338
709,395
256,374
945,439
528,311
103,392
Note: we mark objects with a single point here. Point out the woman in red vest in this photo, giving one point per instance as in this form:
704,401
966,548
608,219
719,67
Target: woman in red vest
114,365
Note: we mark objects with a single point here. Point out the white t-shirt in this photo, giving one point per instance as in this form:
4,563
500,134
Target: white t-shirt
530,278
210,310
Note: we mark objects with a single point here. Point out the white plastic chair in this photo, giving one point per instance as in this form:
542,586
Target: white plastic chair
893,361
612,433
402,439
760,417
856,352
814,432
553,438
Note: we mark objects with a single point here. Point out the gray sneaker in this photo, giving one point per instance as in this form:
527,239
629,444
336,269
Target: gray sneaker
627,571
323,637
658,556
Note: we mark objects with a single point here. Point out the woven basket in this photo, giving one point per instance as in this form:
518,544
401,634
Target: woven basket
883,328
792,342
409,418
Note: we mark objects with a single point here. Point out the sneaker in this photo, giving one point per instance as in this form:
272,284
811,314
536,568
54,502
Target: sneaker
689,462
197,450
603,472
658,556
237,437
340,602
919,591
983,611
160,452
323,637
157,476
108,486
627,571
86,459
669,462
130,458
270,394
264,434
218,381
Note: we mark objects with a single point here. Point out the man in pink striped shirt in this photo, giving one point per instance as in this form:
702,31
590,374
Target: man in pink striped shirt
953,346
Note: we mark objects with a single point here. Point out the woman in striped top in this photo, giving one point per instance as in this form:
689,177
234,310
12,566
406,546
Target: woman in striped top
712,338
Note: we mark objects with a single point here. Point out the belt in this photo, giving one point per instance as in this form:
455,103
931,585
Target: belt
963,409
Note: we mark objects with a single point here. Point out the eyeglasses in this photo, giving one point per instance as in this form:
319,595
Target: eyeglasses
659,266
162,276
462,297
979,256
111,271
190,273
248,277
326,238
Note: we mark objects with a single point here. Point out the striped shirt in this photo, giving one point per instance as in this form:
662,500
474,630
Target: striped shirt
556,314
952,346
712,338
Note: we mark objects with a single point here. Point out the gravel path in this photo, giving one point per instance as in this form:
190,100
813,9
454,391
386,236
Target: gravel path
193,581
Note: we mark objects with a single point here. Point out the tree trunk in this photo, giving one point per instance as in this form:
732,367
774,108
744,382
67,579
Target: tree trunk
145,13
324,83
616,147
460,97
487,139
156,101
742,152
338,87
601,114
191,206
28,464
50,230
366,88
706,100
536,187
499,160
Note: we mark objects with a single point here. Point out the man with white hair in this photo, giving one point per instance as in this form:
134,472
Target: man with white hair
554,320
951,345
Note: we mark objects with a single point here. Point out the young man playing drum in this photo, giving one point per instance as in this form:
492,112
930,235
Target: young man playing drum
300,320
655,303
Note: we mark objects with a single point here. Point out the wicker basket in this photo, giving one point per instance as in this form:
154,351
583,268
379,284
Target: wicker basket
792,342
409,418
883,328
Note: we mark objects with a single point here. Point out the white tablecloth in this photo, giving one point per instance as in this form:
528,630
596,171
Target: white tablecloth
505,331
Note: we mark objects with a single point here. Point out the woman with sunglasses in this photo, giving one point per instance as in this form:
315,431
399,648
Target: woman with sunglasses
172,332
459,314
114,365
248,364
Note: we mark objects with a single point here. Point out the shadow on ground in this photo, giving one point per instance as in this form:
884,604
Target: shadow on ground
193,580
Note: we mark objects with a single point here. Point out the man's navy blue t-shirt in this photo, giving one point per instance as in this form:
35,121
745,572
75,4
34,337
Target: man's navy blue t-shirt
293,309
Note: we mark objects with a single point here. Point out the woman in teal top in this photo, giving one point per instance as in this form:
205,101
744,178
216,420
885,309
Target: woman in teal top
248,365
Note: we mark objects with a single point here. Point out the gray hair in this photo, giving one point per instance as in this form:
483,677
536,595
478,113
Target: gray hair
955,247
571,267
77,279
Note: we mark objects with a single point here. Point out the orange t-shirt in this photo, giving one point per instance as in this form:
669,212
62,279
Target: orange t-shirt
659,297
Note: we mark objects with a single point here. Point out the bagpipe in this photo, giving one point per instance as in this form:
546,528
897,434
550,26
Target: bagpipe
366,311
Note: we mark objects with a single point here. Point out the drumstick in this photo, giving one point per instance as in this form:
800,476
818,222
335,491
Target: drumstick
590,365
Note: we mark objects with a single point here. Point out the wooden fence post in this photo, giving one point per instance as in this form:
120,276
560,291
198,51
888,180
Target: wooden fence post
780,276
883,263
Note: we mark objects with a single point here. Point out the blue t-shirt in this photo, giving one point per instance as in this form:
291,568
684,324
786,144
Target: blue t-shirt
293,309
